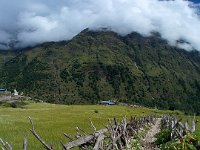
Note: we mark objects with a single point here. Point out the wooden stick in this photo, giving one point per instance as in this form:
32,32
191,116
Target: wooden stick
79,131
84,139
25,142
68,136
94,128
193,128
5,145
99,139
9,146
64,148
37,136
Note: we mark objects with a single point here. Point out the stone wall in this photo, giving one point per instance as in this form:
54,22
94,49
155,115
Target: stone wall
5,98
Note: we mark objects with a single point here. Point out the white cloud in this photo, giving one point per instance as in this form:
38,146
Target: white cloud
36,21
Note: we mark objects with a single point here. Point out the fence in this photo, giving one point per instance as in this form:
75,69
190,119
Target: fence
116,135
177,128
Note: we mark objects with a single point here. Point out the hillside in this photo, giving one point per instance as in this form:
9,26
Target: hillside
102,65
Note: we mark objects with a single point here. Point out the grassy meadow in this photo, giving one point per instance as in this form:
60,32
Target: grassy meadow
51,121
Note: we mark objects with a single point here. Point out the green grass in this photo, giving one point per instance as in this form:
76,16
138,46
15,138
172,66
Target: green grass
51,121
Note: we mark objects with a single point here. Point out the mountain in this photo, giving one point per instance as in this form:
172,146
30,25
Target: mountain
103,65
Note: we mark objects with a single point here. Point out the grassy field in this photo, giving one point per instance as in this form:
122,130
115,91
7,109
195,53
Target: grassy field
51,121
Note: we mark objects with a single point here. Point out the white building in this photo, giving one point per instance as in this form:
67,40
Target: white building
15,93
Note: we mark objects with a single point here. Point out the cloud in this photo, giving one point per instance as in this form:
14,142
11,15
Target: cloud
27,23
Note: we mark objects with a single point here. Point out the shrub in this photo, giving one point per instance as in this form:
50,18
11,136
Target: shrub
188,142
96,111
16,104
163,137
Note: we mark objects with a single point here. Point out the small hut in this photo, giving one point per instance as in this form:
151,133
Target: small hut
107,103
3,90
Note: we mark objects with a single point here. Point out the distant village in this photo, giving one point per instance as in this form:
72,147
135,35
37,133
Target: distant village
14,96
9,96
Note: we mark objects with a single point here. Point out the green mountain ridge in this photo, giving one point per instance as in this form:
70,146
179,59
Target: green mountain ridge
103,65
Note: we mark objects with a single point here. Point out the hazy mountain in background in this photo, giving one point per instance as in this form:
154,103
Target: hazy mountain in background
103,65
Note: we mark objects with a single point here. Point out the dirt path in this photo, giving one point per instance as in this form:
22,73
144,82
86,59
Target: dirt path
148,141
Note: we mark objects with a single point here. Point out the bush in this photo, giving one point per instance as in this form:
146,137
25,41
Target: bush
16,104
163,137
96,111
188,142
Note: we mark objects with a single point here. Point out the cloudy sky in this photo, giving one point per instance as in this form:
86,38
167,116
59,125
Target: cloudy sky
31,22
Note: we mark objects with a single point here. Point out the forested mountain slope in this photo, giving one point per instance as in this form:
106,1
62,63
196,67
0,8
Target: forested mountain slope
103,65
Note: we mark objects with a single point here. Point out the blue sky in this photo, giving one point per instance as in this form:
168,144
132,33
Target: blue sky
196,1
